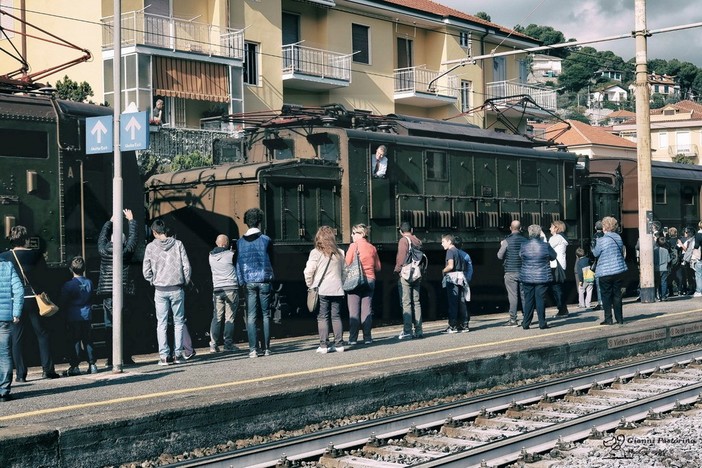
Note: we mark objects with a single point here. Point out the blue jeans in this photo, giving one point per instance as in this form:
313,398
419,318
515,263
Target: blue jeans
258,297
454,293
698,277
166,301
5,358
225,305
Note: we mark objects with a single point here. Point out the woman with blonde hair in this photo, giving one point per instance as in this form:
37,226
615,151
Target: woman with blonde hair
360,301
324,271
611,266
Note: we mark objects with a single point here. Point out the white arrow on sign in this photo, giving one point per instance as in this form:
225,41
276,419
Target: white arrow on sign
98,131
132,126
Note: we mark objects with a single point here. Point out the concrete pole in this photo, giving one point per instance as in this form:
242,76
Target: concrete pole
643,153
117,201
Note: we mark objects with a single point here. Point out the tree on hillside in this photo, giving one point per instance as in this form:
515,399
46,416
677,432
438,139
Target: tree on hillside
548,36
484,16
72,90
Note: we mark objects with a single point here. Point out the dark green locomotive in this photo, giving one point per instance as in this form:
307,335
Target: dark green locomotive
309,169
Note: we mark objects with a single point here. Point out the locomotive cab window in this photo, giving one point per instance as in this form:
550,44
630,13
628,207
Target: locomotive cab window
437,168
688,195
18,143
329,148
660,194
528,174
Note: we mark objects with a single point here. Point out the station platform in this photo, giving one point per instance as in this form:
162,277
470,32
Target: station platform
106,419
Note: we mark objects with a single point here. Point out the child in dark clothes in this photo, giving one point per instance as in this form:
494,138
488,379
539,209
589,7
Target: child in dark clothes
76,297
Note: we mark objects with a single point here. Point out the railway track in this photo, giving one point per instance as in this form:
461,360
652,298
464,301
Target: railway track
493,429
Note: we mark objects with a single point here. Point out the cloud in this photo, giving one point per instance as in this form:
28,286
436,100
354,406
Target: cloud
596,19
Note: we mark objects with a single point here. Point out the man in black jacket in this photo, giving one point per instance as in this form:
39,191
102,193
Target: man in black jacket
104,289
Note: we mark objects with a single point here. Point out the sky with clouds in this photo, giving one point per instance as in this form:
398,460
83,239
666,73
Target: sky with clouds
595,19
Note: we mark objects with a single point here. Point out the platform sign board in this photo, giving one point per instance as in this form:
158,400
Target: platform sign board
98,135
134,131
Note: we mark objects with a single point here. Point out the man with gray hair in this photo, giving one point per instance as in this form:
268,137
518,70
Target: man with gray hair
225,294
509,254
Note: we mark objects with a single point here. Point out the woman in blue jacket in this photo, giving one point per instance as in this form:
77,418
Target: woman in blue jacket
535,275
610,267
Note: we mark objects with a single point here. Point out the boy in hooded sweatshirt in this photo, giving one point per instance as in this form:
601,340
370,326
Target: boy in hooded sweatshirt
167,268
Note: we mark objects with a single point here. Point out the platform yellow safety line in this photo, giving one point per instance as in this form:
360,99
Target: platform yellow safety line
307,372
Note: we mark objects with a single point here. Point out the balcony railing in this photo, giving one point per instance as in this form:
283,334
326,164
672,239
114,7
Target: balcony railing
167,142
316,62
139,28
683,150
544,97
417,80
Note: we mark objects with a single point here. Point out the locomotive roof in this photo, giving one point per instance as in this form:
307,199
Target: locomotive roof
40,107
659,169
419,126
441,142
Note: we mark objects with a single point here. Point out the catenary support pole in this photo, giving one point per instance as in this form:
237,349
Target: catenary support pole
643,153
117,202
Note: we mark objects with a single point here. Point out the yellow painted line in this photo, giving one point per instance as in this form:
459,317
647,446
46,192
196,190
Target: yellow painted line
150,396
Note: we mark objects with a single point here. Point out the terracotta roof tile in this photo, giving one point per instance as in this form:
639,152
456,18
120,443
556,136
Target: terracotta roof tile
583,134
429,6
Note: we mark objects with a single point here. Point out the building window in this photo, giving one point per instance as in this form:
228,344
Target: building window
360,43
660,194
437,168
663,140
466,91
464,39
6,23
250,63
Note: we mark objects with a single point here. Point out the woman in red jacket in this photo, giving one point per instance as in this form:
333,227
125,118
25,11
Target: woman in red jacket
360,301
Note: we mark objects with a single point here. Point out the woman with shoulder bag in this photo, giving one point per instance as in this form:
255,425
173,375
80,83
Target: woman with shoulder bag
31,264
360,300
323,272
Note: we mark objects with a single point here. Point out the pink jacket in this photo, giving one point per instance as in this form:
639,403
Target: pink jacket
368,254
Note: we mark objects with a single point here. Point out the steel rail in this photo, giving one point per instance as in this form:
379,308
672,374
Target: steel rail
541,440
311,445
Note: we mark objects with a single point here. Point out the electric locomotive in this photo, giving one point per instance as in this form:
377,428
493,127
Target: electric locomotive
50,186
310,167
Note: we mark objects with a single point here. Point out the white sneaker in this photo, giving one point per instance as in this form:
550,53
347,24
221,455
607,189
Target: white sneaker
405,336
697,294
321,350
339,349
253,354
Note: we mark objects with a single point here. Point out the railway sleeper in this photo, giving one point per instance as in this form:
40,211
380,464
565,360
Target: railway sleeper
540,415
678,376
351,461
578,408
598,400
510,423
398,453
483,434
654,385
443,441
625,394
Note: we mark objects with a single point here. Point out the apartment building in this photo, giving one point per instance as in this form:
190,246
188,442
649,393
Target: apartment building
676,132
212,57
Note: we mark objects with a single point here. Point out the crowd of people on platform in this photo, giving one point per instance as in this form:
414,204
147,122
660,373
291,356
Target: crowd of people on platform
533,266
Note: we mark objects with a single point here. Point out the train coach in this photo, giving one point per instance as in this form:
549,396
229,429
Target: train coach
50,185
311,168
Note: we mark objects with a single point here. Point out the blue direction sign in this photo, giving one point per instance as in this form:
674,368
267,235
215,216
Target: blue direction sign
134,131
98,135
